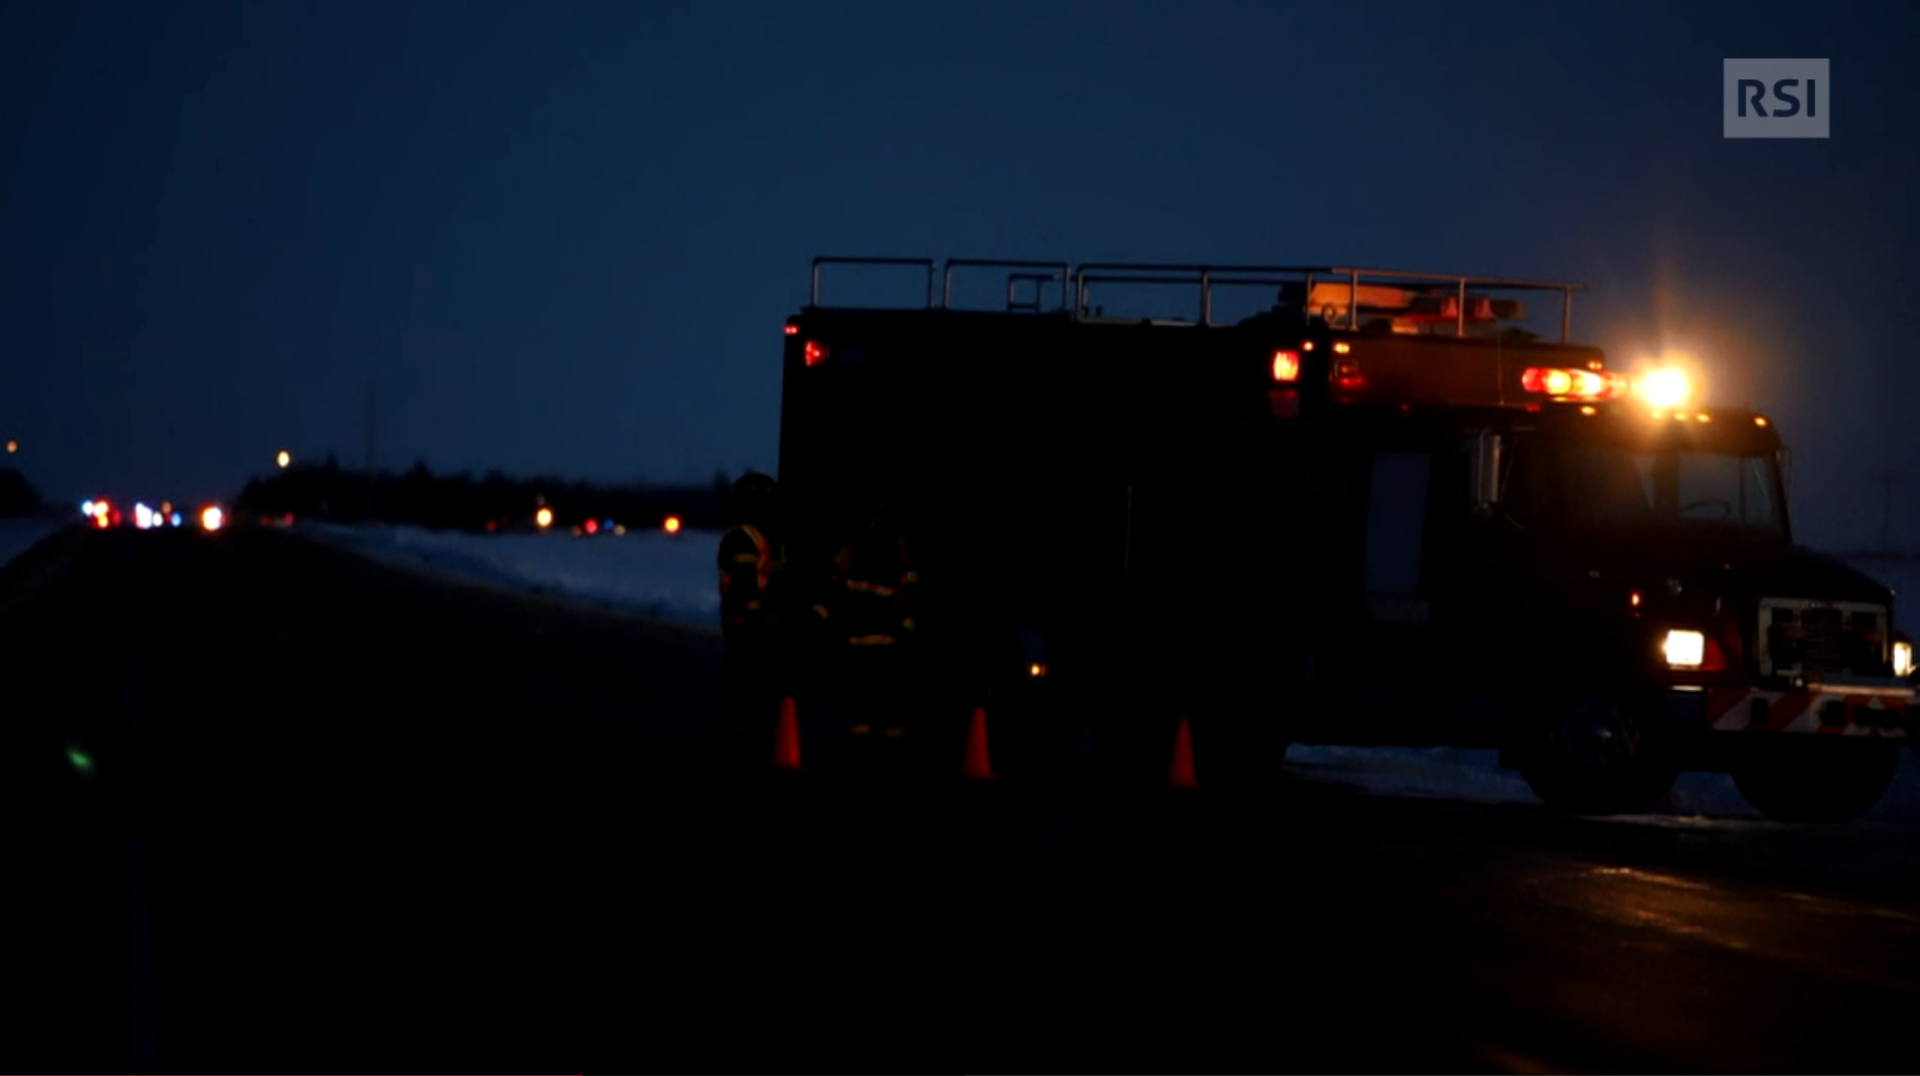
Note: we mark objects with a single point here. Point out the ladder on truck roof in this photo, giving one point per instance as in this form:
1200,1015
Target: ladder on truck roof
1344,297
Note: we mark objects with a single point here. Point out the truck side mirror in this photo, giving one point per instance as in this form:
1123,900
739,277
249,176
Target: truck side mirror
1483,473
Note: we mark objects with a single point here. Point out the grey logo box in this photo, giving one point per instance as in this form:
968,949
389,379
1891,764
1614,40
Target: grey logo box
1775,99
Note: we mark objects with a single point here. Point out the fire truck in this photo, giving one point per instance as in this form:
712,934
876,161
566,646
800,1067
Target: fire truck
1368,507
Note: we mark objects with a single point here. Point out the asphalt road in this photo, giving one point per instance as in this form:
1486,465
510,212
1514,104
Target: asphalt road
341,815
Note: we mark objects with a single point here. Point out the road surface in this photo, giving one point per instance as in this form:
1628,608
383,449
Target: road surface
279,806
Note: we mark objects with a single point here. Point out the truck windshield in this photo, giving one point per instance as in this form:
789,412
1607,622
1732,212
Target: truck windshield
1604,488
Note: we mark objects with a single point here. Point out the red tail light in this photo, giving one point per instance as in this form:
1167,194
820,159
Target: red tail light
792,329
1347,375
1286,366
816,353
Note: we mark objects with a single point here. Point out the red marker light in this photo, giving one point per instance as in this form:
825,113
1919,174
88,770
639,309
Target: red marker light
816,353
592,526
792,329
1571,384
1286,366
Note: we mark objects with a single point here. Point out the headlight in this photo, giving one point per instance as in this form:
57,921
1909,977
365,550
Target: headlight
1902,658
1686,649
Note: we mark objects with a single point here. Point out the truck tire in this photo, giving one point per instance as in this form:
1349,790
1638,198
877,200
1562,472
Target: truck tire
1600,754
1816,779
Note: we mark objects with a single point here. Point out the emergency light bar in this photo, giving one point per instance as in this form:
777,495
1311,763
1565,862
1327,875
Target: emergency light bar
1562,384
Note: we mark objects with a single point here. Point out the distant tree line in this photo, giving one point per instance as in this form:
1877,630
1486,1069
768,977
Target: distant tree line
493,501
17,495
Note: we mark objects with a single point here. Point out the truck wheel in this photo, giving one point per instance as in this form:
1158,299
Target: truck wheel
1599,755
1809,779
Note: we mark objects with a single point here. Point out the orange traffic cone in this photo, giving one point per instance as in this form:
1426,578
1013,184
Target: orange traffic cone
1180,774
975,766
786,738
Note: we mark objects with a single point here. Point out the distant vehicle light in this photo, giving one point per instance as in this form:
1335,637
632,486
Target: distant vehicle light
1685,649
1665,388
792,329
671,525
1759,420
13,446
1902,658
815,353
1341,347
543,518
1286,366
142,516
593,526
212,518
176,519
492,526
283,458
86,509
620,528
1036,670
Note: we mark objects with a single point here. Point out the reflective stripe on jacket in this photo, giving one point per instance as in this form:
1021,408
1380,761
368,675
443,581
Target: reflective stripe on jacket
871,596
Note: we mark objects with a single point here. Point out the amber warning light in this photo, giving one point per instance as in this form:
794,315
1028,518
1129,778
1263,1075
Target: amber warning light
1286,366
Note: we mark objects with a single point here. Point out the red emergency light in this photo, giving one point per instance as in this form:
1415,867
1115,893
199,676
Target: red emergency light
1562,384
1286,366
792,329
815,352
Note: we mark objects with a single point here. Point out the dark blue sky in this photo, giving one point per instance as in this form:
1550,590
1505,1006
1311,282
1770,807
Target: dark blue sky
564,234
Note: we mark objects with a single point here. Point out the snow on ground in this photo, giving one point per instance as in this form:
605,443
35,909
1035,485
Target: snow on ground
20,534
672,576
1475,776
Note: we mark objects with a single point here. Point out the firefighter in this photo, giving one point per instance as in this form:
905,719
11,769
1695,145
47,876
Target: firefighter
868,610
750,560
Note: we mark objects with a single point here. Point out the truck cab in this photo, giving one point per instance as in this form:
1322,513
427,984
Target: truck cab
1377,508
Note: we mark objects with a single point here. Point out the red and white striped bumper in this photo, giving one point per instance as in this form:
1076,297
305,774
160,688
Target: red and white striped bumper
1827,711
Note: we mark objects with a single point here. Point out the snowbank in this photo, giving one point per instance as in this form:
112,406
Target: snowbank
23,533
671,576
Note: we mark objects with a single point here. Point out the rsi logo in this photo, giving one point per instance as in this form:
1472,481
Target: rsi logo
1775,99
1754,92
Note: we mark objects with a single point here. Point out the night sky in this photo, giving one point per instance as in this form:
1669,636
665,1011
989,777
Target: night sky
564,234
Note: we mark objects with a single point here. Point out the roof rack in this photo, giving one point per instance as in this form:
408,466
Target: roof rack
1343,297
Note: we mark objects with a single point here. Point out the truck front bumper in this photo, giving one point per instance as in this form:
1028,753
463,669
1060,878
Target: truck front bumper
1882,706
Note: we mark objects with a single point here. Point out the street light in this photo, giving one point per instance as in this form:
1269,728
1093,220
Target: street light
283,458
